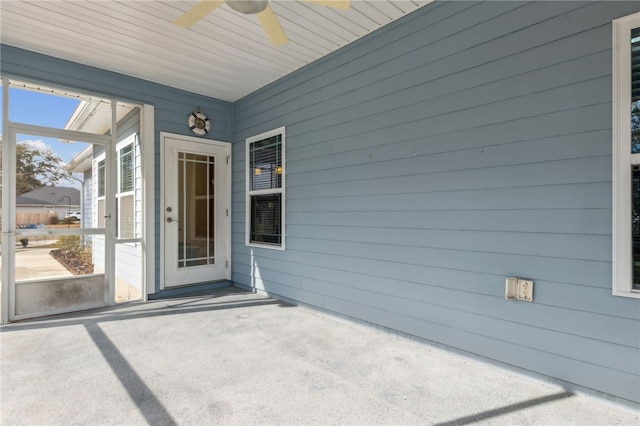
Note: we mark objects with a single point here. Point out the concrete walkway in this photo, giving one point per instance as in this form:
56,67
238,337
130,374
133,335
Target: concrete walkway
34,262
239,358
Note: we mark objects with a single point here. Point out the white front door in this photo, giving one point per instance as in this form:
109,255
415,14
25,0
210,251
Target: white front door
196,210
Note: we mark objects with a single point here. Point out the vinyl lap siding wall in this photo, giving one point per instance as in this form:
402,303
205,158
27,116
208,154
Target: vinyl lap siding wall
431,160
172,106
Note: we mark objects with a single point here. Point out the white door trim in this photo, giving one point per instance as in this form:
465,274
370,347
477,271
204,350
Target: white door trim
147,152
227,198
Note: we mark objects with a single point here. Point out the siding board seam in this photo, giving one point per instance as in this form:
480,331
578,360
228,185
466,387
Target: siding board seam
428,228
448,171
371,257
440,151
410,89
448,191
435,247
300,146
403,156
481,106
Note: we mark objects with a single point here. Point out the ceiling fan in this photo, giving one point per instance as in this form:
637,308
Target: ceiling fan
260,8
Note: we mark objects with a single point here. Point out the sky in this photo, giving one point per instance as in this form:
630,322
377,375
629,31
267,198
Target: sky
44,110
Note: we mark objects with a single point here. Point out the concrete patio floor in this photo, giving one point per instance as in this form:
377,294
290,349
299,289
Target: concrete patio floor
232,357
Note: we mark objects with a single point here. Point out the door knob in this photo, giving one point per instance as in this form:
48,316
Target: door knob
169,220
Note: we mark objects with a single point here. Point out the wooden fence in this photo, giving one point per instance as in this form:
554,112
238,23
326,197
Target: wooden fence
37,218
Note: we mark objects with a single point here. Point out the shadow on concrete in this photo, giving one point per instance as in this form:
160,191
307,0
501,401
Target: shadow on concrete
135,310
150,407
140,393
485,415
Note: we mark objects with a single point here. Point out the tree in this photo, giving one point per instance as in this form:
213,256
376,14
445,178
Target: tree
37,167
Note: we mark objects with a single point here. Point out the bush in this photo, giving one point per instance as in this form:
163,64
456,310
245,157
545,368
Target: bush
70,245
53,220
86,256
75,256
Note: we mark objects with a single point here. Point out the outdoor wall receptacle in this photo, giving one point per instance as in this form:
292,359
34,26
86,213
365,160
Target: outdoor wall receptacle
518,288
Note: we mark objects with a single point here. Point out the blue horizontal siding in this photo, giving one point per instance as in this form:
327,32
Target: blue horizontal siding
432,159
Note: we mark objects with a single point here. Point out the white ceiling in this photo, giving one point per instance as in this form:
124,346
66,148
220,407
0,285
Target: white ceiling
225,56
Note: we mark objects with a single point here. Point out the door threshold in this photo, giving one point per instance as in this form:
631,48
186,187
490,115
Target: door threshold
189,290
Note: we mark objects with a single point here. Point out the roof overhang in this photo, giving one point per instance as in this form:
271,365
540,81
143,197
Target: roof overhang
81,162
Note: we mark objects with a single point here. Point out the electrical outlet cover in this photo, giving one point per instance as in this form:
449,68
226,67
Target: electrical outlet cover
525,290
511,288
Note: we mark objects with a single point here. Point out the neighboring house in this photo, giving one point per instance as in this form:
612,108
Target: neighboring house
39,205
91,164
81,164
402,179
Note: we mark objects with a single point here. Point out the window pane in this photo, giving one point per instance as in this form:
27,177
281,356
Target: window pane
265,163
266,219
204,181
101,179
196,206
193,157
126,169
635,91
127,216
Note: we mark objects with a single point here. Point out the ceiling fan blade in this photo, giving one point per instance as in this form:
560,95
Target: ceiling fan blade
272,27
197,12
336,4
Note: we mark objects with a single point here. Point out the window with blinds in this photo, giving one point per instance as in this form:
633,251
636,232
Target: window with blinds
266,189
101,177
125,196
626,156
126,168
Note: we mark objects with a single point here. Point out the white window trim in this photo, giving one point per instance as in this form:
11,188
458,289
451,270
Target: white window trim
622,244
96,197
281,190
